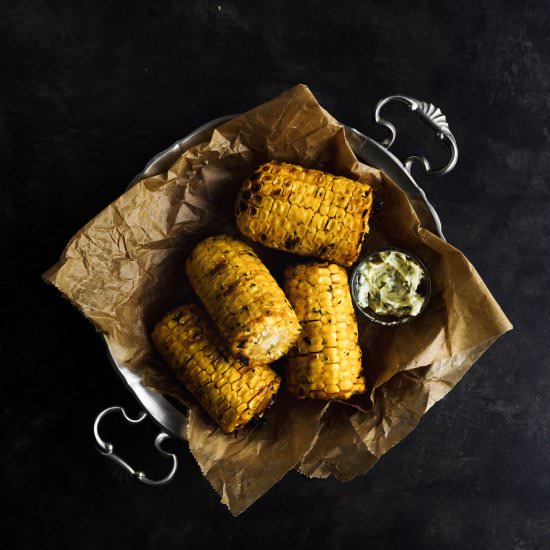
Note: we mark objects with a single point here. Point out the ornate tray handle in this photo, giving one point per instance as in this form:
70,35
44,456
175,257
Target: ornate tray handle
107,449
434,118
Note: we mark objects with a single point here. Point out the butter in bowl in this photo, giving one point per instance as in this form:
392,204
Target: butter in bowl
390,286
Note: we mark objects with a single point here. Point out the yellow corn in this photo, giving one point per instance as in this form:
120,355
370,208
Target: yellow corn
307,212
231,392
326,362
248,306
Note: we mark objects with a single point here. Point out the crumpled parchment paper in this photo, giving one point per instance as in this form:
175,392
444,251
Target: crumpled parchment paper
125,268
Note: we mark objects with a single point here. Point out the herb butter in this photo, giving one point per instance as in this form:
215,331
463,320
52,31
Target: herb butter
388,282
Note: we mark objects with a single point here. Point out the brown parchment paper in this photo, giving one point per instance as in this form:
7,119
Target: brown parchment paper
125,268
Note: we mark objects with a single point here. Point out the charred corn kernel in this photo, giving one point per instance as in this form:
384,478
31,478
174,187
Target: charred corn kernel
230,391
304,211
326,361
247,305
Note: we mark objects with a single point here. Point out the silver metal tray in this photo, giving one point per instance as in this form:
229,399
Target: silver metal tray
172,421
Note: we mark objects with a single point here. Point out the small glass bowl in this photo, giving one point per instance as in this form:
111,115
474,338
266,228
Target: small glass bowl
424,289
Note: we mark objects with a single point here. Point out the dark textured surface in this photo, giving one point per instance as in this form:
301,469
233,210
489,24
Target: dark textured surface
89,93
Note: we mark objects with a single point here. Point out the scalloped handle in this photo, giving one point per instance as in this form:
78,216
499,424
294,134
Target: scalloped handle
107,449
434,118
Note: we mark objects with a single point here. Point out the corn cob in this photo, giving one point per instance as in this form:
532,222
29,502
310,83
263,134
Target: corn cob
307,212
326,362
244,300
231,392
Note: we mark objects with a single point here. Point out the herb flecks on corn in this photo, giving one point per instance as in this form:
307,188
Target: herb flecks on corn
248,306
326,362
307,212
231,392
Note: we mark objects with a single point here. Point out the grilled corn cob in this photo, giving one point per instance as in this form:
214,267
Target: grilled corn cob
307,212
326,362
244,300
231,392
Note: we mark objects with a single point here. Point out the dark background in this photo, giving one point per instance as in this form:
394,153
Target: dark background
91,90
